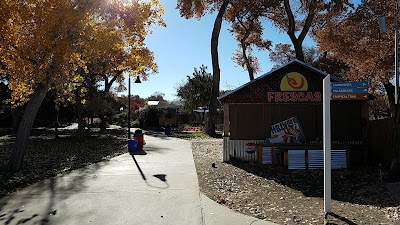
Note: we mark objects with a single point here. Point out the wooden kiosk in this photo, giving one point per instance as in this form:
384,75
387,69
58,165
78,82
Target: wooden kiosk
292,91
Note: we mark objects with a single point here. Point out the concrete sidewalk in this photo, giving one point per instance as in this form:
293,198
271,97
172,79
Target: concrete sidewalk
157,188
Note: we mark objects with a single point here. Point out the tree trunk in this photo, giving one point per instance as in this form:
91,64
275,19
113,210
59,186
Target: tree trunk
244,46
16,118
103,123
249,67
81,123
298,41
210,126
108,83
25,126
56,126
298,48
390,93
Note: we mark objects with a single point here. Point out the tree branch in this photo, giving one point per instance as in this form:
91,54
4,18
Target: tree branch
309,19
291,28
108,84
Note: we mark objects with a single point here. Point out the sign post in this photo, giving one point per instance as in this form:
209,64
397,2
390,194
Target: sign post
326,105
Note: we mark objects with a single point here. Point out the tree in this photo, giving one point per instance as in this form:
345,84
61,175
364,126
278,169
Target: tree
246,22
115,53
358,43
197,8
42,44
298,17
150,115
369,56
38,47
156,96
283,53
196,91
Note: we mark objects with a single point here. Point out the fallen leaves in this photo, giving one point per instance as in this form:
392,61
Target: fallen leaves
292,196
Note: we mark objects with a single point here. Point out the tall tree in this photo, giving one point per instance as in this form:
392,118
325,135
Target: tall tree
246,25
196,91
197,8
298,17
369,55
39,49
42,44
116,52
356,41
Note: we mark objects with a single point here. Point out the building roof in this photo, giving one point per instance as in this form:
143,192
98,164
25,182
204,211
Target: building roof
296,61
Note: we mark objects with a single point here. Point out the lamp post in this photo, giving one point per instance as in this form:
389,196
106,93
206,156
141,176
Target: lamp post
382,29
396,55
137,81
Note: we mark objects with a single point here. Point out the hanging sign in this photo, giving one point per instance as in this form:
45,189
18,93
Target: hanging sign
349,90
294,88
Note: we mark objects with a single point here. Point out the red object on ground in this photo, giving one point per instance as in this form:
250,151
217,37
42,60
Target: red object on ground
139,137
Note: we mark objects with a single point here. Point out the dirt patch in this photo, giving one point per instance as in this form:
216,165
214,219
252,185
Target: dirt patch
292,196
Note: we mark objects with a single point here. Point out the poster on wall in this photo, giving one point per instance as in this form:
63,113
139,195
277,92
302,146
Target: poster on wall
288,131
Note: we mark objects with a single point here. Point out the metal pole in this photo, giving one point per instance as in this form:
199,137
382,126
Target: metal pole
129,107
396,55
326,107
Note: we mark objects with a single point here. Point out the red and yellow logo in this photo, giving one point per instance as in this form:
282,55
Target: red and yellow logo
294,81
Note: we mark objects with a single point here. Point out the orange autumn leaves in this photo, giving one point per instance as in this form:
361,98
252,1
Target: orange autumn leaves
46,41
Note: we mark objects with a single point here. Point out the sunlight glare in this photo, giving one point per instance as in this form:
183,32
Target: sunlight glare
126,3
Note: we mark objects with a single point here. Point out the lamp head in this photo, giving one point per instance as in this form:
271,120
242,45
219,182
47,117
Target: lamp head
137,81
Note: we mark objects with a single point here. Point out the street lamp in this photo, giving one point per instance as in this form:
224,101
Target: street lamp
396,55
382,29
137,81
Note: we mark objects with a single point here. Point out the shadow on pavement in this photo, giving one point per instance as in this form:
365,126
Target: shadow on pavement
162,177
137,165
157,134
55,189
138,152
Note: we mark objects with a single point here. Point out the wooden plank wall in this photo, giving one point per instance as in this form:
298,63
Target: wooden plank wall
379,141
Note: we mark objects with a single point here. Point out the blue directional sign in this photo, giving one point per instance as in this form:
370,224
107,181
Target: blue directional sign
349,87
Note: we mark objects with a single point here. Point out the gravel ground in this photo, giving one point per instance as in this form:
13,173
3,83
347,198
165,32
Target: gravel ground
292,196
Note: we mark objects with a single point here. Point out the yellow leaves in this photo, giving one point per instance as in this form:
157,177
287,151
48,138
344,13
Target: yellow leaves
77,80
57,42
20,93
192,8
119,67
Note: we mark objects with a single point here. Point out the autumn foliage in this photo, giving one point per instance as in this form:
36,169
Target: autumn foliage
52,44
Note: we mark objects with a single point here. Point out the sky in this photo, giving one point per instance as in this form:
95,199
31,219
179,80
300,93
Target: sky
185,44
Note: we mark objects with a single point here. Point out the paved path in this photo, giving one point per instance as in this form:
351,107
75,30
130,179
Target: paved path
157,188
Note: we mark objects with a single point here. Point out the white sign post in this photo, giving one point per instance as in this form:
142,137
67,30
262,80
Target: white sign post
326,105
